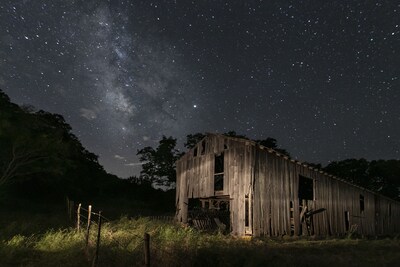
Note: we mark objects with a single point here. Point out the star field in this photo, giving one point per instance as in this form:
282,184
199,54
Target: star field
322,77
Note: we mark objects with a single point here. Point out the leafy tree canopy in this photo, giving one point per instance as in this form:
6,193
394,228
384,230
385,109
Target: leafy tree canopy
353,170
38,145
381,176
159,163
193,139
30,142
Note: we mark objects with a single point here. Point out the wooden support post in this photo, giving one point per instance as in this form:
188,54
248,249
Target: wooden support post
96,256
78,218
89,222
146,249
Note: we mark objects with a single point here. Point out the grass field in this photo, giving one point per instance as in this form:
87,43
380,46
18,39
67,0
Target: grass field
44,239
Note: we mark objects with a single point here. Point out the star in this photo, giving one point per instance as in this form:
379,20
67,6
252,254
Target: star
124,73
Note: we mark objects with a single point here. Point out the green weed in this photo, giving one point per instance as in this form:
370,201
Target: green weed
121,244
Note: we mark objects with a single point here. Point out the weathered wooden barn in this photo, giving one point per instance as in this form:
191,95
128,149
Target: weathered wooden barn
268,194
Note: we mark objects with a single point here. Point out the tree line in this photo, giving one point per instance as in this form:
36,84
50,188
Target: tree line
39,153
41,160
41,157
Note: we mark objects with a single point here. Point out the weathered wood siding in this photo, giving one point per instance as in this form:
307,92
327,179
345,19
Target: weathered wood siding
271,183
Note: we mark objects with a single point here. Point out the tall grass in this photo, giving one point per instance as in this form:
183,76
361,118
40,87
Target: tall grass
173,245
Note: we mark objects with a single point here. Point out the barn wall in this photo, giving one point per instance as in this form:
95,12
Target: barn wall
195,177
271,184
276,186
273,192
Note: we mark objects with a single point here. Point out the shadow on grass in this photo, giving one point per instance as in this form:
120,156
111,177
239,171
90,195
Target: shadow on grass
25,251
333,253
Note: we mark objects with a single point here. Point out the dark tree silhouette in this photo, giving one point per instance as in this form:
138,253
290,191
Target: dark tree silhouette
272,143
38,149
352,170
381,176
29,142
159,163
385,177
193,139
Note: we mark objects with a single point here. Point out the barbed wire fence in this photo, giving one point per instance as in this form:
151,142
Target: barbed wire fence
89,220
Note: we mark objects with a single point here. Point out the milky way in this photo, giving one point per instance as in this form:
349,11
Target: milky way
322,77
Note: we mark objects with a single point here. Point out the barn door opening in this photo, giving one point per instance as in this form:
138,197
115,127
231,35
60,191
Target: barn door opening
248,214
306,188
347,221
210,214
306,205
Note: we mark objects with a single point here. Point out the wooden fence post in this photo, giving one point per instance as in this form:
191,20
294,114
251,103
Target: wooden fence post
78,218
89,222
146,249
96,256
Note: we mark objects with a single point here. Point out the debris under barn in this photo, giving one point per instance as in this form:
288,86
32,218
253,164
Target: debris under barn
247,189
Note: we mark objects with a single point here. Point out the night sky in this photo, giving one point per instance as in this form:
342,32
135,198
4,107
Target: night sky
322,77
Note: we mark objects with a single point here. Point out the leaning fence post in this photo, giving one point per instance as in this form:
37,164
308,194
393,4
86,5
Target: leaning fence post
96,257
146,249
78,217
89,222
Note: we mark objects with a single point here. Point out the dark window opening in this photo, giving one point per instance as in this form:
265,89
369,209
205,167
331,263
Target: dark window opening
390,209
246,211
225,145
219,164
306,188
195,152
362,203
203,147
219,172
347,220
218,182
